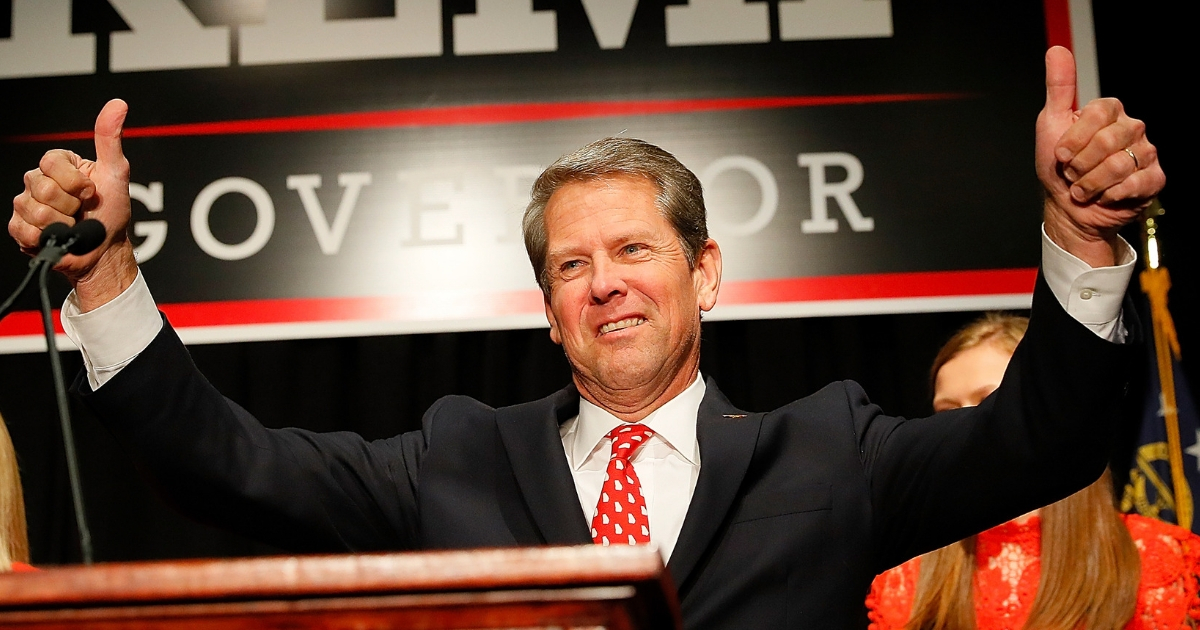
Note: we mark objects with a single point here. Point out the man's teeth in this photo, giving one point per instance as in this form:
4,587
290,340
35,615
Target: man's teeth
624,323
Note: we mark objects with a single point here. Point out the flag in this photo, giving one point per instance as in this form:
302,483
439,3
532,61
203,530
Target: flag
1165,474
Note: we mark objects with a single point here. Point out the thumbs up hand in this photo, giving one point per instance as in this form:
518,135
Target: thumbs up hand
66,188
1096,165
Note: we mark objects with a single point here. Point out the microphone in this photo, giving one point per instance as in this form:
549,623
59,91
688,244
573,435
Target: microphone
88,234
56,241
54,234
53,244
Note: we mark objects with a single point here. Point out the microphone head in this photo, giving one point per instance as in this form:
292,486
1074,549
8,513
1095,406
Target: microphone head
87,235
54,233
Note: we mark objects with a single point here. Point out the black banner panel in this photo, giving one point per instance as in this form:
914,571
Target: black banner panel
306,168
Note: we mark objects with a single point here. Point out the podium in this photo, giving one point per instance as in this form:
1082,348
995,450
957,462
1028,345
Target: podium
592,587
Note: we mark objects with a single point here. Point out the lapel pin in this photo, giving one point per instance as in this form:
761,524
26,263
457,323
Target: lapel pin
734,415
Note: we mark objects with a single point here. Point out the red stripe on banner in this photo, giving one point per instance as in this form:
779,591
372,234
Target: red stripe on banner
1058,23
462,306
27,323
917,284
920,284
503,113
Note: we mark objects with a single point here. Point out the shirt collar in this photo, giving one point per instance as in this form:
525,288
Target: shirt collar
674,422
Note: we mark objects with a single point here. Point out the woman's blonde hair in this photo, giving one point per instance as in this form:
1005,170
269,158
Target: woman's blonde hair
1090,568
1000,329
14,540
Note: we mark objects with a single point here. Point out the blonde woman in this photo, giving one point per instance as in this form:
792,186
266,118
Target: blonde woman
14,543
1076,564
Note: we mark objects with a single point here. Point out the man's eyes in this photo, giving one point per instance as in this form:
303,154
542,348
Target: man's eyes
575,265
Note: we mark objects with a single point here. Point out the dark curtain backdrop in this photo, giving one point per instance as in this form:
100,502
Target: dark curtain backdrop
380,386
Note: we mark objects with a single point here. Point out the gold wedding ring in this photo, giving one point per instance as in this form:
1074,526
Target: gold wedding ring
1136,165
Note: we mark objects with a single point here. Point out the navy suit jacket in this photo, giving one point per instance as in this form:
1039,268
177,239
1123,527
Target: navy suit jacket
795,510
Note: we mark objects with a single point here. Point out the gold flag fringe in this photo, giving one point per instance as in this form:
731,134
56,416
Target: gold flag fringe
1155,284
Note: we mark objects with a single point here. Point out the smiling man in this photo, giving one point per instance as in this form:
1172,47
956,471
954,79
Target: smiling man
624,284
766,520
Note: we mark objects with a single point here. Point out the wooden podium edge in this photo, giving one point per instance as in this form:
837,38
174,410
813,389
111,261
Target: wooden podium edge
361,576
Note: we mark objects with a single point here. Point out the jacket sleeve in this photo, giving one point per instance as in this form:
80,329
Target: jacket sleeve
1041,436
296,489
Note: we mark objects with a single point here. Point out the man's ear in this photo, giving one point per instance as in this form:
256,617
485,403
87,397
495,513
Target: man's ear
554,336
707,275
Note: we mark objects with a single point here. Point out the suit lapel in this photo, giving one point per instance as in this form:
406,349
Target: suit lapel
727,439
535,450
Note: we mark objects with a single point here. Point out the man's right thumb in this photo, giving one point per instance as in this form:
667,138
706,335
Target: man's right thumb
108,131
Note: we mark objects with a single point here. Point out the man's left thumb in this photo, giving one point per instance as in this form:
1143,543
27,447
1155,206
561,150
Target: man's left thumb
109,124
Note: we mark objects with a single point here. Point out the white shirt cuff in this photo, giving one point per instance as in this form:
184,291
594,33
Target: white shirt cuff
111,336
1092,296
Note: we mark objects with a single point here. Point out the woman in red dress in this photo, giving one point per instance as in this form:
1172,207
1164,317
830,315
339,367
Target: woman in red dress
1078,563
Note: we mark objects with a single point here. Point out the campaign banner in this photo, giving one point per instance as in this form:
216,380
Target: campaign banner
308,168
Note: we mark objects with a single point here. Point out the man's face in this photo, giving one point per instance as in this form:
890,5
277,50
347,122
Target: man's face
623,301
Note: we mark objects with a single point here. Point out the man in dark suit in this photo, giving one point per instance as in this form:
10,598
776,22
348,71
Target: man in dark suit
775,519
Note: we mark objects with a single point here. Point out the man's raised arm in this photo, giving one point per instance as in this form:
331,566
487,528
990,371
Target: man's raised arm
66,188
295,489
1042,435
1098,171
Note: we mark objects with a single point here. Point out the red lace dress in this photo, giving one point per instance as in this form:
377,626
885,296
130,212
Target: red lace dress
1006,578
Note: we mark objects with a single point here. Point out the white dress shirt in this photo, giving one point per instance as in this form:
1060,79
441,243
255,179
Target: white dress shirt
112,336
666,465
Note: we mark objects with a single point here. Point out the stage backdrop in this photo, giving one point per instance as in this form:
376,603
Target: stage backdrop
305,168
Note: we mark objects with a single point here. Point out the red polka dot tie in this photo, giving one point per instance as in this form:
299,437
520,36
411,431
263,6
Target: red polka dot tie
621,517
